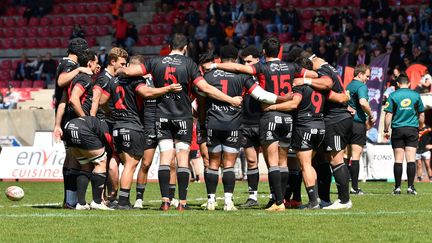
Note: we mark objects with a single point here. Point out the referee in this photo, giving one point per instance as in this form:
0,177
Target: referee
404,111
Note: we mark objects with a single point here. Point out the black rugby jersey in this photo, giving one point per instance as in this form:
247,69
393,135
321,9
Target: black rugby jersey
173,69
103,83
66,65
149,115
310,110
82,81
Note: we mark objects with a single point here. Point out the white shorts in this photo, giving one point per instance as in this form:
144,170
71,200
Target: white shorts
425,155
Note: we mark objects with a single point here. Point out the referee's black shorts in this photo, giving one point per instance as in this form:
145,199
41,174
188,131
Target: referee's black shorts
358,135
402,137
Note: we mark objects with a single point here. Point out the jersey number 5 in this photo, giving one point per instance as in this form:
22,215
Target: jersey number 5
169,77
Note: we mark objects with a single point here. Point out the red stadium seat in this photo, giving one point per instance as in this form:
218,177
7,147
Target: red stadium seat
268,4
3,84
91,41
31,43
67,31
307,15
157,29
1,33
32,32
143,41
44,32
295,3
285,37
2,24
81,8
319,3
69,9
92,20
39,84
128,7
43,42
157,40
55,43
8,43
57,9
105,8
90,31
10,22
5,75
57,21
21,32
332,3
145,30
15,83
64,42
80,20
6,65
24,94
56,31
21,22
102,30
345,2
21,11
15,64
68,20
10,33
20,44
195,4
27,84
306,3
307,25
34,22
92,8
158,18
45,21
11,12
104,20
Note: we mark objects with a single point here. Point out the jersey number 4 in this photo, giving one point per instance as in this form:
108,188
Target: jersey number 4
280,83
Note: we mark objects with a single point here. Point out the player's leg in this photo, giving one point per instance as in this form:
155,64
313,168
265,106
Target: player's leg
83,179
212,175
283,165
356,151
321,164
173,184
195,163
251,154
130,163
419,162
411,168
427,161
397,168
141,183
294,183
183,172
309,177
71,170
229,157
271,155
113,177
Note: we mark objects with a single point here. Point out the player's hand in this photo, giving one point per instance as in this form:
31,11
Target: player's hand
236,101
352,110
285,98
298,81
372,120
208,66
175,88
387,135
86,70
429,146
58,134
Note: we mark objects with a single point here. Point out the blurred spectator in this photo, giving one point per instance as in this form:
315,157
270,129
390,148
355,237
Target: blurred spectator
215,32
49,69
256,31
36,67
250,8
318,18
241,29
201,31
293,21
278,20
23,70
131,36
213,10
189,30
424,85
229,32
116,8
103,57
121,26
226,11
362,56
237,12
345,14
192,16
2,104
334,21
370,28
400,26
77,32
177,27
11,98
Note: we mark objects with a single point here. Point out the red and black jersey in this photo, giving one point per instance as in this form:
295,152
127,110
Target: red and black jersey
221,115
102,83
310,110
173,69
149,115
66,65
251,110
128,106
82,81
334,112
277,76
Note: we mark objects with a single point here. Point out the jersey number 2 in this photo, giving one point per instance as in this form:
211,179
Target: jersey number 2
119,105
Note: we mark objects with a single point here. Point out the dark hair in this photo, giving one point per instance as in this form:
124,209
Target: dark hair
206,57
228,52
304,62
179,41
76,46
361,68
271,46
85,57
251,51
136,59
294,54
403,79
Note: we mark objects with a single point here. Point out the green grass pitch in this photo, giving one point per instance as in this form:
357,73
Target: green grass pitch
375,216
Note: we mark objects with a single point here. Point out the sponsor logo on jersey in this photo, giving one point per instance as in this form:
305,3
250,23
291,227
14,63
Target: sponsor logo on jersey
405,102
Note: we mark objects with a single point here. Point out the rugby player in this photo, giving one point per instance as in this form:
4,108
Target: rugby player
224,125
275,127
405,112
358,93
174,112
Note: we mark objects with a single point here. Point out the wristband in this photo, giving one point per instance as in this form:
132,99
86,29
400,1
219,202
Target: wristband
213,66
386,131
307,81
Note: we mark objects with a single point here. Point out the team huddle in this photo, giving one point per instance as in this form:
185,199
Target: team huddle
136,106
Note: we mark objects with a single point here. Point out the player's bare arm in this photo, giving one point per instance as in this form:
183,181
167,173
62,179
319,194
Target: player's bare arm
338,97
65,78
230,67
217,94
133,70
75,101
322,83
58,132
286,106
152,93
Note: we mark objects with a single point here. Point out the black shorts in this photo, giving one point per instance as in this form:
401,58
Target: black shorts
174,129
337,135
150,139
402,137
193,154
358,135
275,127
201,134
227,138
129,141
251,136
77,134
307,138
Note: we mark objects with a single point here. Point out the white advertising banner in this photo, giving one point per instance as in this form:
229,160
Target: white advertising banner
379,162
